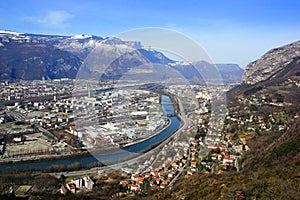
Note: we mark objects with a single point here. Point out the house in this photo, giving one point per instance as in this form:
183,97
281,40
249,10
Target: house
190,172
157,180
194,169
134,187
223,148
88,183
195,142
17,139
212,146
73,129
23,191
187,176
281,128
84,182
170,175
71,187
61,119
220,157
135,177
263,125
124,183
166,169
228,161
193,149
154,173
154,187
194,164
140,181
165,182
147,175
63,190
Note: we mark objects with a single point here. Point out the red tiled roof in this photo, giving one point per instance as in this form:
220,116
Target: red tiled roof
230,159
124,183
187,176
154,187
136,176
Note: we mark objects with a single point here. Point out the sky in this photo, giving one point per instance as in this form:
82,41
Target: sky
229,31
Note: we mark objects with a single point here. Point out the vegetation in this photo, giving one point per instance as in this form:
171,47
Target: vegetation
252,90
45,185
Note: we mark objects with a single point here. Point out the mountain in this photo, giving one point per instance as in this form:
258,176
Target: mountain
271,63
30,56
34,56
36,60
230,72
138,65
275,75
207,72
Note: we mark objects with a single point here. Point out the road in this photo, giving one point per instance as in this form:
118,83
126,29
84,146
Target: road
45,131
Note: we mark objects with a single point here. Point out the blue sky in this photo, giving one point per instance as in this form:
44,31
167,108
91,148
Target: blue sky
230,31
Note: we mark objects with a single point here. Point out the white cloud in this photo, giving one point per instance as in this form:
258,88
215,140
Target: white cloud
54,19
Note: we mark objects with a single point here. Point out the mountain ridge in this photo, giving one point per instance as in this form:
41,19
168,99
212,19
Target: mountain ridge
270,63
36,56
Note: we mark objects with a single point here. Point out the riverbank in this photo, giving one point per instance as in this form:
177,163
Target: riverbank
147,138
42,158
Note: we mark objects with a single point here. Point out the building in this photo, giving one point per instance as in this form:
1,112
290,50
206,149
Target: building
84,182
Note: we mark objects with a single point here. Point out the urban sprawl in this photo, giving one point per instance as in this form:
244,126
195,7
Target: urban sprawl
48,119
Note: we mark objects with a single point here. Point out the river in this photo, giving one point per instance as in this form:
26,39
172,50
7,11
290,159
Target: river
112,156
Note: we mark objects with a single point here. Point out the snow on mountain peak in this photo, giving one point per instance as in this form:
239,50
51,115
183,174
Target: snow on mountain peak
81,36
10,32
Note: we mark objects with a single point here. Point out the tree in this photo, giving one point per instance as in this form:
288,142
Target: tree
253,107
257,131
62,178
145,185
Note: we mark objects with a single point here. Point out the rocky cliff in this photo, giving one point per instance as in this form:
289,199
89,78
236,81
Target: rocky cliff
271,63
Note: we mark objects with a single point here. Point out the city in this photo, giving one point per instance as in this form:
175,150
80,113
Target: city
56,123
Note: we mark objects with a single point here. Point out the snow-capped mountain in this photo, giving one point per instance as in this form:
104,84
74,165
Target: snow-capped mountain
35,56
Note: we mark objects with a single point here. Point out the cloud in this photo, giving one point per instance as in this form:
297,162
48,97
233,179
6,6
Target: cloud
54,19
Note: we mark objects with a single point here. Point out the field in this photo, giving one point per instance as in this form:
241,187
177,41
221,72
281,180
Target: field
26,148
